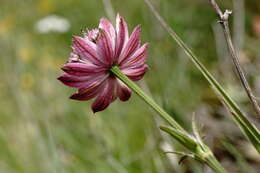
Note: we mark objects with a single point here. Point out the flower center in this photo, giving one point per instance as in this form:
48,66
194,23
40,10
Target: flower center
92,35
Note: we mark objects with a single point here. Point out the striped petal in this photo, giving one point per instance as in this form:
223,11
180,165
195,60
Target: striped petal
71,81
95,81
139,57
82,69
132,44
104,48
81,82
87,95
108,27
135,73
105,97
121,34
123,92
86,49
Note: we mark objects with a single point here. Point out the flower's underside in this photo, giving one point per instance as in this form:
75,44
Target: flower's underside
93,55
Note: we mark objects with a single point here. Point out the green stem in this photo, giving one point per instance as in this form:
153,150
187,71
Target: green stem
116,71
213,163
204,154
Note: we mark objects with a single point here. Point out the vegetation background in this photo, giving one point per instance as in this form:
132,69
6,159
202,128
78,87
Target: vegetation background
42,131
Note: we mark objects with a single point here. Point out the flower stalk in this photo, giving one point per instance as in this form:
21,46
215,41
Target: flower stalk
214,164
116,71
199,150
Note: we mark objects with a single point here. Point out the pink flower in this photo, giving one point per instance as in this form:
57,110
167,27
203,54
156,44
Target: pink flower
93,55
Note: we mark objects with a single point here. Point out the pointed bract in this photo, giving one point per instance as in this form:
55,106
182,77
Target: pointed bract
110,30
132,44
138,57
86,95
86,50
121,34
105,96
123,92
104,48
82,69
108,27
135,73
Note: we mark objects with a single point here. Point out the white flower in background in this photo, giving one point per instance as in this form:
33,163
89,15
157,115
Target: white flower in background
52,23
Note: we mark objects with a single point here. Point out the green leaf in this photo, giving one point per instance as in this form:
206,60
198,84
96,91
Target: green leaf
181,137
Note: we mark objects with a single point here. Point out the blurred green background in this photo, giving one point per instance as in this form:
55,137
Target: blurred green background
42,131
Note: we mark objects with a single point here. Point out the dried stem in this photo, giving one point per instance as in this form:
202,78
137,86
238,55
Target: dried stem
225,25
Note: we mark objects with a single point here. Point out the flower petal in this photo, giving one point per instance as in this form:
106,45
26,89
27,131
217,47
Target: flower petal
104,48
86,49
121,34
138,58
108,27
71,81
90,91
95,81
105,97
123,92
82,69
135,73
81,82
87,95
132,44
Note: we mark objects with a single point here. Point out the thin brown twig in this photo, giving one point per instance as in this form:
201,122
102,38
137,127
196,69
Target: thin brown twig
216,7
225,25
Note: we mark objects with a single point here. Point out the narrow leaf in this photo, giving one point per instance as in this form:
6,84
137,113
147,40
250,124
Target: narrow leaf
196,130
181,137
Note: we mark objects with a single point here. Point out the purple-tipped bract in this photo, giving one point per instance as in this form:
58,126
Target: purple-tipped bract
93,55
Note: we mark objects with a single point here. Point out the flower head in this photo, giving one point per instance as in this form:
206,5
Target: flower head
94,54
